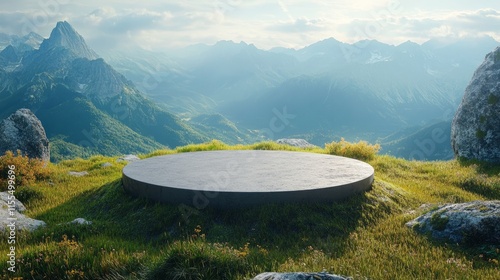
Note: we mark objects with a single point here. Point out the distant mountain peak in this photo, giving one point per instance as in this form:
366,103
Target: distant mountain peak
408,43
9,54
9,50
65,36
232,44
327,42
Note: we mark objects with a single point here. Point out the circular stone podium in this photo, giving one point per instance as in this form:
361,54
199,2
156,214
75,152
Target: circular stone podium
229,179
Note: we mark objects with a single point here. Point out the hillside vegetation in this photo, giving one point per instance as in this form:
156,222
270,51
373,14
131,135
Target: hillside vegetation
364,237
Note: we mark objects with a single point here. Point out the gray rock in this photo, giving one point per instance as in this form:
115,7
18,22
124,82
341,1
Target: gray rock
63,35
298,276
19,206
301,143
476,222
128,158
11,219
80,221
106,164
23,131
475,130
78,174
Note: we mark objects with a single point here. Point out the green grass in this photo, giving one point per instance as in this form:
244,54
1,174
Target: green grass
363,237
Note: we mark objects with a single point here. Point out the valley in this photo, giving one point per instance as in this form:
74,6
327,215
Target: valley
141,100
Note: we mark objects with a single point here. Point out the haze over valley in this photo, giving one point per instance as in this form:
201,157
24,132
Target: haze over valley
169,90
367,90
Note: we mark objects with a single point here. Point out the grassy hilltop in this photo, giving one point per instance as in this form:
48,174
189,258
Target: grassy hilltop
362,237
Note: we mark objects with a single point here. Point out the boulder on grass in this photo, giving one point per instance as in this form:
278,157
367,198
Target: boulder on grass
297,276
476,222
23,131
10,217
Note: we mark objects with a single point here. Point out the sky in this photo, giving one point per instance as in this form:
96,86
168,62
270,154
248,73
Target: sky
164,24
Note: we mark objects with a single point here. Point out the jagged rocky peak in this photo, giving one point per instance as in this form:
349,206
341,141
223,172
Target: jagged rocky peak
65,36
475,131
32,39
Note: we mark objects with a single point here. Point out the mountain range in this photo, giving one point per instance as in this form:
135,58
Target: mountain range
133,100
85,105
367,90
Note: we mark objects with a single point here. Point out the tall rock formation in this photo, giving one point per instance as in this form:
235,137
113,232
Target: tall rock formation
23,131
475,130
65,36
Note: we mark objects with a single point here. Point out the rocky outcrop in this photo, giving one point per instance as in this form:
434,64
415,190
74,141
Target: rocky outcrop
301,143
128,158
80,221
475,131
18,205
11,218
476,222
298,276
23,131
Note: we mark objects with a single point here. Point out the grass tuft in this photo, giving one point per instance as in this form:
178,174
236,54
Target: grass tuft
361,150
364,236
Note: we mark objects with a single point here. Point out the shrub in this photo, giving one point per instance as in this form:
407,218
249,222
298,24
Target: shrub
213,145
26,170
271,146
361,150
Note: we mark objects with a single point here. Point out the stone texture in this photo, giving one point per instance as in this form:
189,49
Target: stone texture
301,143
471,222
231,179
21,221
23,131
128,158
63,35
80,221
19,206
298,276
475,130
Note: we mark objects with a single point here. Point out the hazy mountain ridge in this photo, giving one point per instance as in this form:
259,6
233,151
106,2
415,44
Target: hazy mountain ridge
82,100
233,91
223,129
424,143
31,39
13,48
364,90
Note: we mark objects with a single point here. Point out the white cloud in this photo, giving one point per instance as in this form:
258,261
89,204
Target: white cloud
483,20
299,25
290,23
